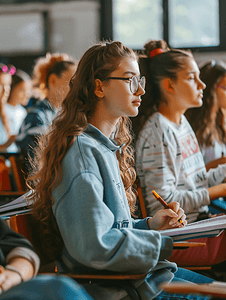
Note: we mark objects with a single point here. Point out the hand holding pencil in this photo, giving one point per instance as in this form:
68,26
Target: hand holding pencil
170,217
164,203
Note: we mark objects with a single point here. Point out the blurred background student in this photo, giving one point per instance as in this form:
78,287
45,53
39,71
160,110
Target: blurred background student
51,77
18,98
209,120
6,138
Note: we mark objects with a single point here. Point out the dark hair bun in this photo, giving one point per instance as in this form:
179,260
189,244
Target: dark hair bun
153,44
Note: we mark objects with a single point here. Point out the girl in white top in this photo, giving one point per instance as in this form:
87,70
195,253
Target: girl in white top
18,98
168,158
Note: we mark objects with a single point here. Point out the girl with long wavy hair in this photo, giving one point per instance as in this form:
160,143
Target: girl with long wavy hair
209,120
168,158
82,183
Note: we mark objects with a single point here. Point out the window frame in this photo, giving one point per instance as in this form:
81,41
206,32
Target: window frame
106,28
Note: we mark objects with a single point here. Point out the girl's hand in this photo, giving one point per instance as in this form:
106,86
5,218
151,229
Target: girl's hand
8,279
168,218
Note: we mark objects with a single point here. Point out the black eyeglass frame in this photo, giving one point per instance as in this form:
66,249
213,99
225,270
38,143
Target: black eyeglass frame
131,80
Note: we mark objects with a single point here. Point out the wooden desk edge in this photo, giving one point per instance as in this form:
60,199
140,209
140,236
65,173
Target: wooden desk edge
104,276
188,244
187,288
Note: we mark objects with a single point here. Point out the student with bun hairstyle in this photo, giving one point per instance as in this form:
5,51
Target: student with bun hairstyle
51,76
209,120
82,182
168,158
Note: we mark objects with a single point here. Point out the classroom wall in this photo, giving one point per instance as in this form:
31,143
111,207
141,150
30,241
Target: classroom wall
72,26
75,25
203,57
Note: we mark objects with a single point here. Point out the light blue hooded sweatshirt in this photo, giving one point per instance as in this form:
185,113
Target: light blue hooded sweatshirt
93,216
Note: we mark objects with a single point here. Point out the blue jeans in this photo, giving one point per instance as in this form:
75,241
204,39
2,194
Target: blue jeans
183,275
47,287
64,288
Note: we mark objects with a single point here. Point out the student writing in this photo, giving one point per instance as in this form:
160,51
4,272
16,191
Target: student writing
85,173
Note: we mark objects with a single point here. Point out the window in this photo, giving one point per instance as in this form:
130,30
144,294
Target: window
131,18
193,23
197,25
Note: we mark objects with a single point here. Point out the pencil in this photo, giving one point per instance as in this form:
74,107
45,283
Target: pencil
163,203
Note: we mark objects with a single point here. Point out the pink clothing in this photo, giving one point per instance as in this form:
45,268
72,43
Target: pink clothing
213,253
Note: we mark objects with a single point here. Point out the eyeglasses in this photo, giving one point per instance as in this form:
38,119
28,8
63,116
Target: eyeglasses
134,82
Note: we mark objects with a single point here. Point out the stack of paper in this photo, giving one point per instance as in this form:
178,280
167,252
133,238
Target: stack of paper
205,228
15,207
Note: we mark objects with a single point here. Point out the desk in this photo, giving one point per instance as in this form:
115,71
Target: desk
218,206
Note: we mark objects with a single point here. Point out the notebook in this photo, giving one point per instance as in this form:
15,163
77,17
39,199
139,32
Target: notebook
205,228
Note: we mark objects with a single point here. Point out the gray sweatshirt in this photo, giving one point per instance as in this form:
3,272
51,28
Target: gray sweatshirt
169,161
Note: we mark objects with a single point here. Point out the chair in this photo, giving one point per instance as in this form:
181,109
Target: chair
140,199
12,183
25,225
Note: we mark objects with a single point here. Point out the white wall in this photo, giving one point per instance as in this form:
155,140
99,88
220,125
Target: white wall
203,57
73,26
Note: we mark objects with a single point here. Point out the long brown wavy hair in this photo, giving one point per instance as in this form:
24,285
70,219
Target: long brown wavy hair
98,62
208,121
163,65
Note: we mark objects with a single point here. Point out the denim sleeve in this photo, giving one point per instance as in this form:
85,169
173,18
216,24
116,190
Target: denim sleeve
140,223
86,225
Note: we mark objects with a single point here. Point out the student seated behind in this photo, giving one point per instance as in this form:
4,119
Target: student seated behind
168,158
51,76
18,98
84,175
209,120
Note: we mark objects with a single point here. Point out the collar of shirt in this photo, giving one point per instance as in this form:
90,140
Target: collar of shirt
99,136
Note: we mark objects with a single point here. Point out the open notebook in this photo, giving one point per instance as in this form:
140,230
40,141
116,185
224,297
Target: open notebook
205,228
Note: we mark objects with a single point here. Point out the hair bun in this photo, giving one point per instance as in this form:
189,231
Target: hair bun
155,47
